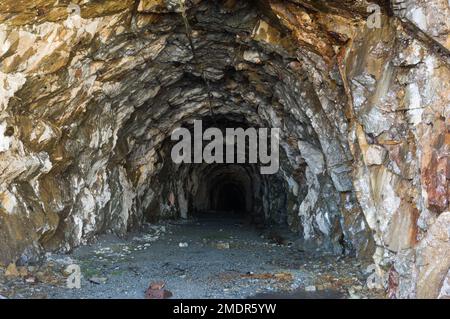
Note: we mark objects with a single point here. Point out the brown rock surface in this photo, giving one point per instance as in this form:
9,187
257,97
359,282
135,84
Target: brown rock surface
90,91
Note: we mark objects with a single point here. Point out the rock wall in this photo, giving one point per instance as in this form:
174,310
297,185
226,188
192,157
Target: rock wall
91,90
400,141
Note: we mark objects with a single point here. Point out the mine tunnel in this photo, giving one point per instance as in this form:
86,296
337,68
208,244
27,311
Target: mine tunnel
230,79
225,188
90,100
232,65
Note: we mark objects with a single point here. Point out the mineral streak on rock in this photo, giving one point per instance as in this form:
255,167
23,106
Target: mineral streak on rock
90,94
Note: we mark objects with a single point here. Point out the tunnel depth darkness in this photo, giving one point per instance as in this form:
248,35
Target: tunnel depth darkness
228,197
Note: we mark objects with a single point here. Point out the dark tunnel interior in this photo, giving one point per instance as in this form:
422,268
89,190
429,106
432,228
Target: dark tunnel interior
228,197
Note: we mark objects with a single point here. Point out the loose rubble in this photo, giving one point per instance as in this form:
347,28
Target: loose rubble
250,266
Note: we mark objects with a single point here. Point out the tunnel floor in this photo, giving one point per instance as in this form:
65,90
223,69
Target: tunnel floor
224,258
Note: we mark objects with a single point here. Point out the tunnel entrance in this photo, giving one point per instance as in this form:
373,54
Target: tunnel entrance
222,189
228,77
86,122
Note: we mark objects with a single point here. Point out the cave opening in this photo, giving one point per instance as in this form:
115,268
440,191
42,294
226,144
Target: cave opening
233,77
221,190
244,84
227,76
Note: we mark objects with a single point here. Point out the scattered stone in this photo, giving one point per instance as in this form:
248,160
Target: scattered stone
98,280
23,272
157,285
258,276
284,276
156,291
222,245
310,288
352,294
276,238
11,271
267,276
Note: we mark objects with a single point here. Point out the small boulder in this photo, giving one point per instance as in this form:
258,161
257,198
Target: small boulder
11,271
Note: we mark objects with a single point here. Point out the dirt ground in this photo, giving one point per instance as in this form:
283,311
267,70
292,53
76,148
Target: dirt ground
201,258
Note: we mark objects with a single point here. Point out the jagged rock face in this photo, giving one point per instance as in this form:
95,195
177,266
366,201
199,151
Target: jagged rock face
90,92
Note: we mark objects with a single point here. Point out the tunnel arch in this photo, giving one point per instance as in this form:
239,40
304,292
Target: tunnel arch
141,85
240,86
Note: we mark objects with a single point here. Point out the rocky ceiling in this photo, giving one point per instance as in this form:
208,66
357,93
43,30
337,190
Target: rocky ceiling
91,90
